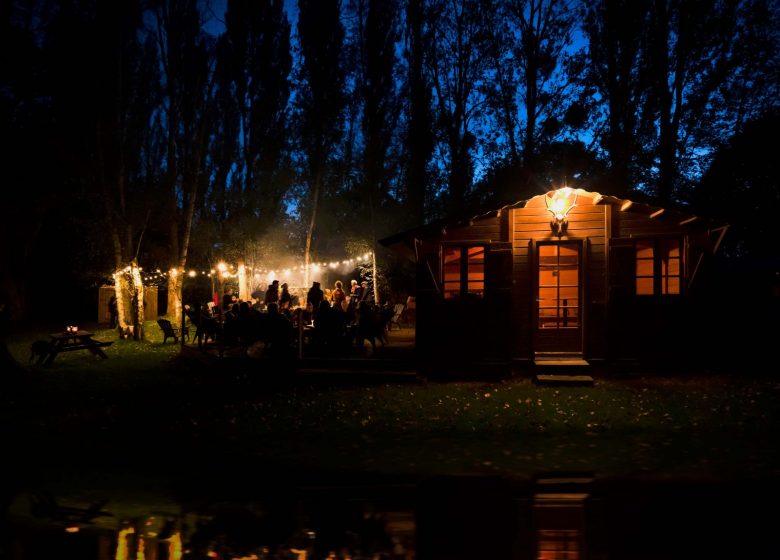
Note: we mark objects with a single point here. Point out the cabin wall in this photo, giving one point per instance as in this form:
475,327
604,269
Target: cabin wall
456,333
659,327
617,324
530,225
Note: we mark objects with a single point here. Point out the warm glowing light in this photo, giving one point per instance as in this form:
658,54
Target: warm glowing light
657,213
192,274
222,267
72,529
140,555
121,544
173,272
560,202
174,547
626,205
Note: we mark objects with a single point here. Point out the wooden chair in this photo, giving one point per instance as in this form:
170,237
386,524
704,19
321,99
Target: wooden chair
169,331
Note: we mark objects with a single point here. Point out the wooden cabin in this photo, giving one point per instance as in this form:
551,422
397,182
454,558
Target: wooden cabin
569,274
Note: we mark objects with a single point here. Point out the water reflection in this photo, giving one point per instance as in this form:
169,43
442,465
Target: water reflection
562,516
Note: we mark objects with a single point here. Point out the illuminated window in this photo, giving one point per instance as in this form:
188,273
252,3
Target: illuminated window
463,271
658,267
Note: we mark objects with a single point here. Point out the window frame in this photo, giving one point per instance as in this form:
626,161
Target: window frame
661,273
463,280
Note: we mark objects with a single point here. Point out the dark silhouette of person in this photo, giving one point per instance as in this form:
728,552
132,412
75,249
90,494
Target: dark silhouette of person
113,311
314,297
285,300
272,293
366,294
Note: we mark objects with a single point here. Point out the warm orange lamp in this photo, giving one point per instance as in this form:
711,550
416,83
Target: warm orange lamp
559,204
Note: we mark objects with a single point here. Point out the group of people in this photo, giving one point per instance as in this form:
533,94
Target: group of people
338,298
269,316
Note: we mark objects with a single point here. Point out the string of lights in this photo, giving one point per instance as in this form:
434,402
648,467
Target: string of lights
227,271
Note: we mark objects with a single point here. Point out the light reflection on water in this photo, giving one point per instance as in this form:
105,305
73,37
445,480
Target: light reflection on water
561,516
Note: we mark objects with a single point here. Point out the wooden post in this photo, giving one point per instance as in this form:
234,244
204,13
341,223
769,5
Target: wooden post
299,311
183,315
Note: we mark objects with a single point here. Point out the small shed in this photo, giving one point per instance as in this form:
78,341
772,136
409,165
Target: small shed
569,274
150,303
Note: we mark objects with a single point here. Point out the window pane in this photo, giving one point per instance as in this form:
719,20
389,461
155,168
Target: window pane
451,274
548,296
567,294
452,285
548,278
644,286
569,277
671,285
644,249
644,267
476,255
451,255
568,253
477,288
670,248
670,267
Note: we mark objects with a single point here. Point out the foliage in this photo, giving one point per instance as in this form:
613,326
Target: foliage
162,130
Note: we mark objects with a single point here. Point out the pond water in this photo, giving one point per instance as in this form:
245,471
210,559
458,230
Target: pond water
554,516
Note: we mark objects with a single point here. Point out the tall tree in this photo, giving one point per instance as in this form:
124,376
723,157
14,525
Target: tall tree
103,91
188,84
419,137
617,73
320,99
457,63
691,54
253,68
742,187
380,106
542,37
26,117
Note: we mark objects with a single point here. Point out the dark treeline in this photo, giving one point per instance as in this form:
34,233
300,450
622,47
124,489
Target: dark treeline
165,132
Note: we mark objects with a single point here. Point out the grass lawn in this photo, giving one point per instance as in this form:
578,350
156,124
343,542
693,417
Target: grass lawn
153,433
145,403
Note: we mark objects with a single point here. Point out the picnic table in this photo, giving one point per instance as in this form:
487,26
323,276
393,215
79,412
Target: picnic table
72,341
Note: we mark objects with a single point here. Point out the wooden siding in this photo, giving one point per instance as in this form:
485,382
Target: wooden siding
484,229
617,324
638,223
532,224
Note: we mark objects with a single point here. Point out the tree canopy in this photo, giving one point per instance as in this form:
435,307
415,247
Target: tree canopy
164,132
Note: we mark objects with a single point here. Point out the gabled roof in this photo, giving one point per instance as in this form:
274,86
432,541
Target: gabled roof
626,205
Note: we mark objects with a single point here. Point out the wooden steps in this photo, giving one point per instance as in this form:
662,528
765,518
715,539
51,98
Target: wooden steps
562,371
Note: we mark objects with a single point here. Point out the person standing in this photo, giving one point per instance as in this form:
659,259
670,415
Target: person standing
339,296
272,293
113,311
314,297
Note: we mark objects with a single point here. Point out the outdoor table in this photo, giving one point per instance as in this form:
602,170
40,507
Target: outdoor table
72,341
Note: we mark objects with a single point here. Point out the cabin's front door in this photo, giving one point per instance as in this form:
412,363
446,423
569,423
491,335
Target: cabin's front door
558,290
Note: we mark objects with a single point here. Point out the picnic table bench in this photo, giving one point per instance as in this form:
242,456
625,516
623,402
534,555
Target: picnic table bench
72,341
